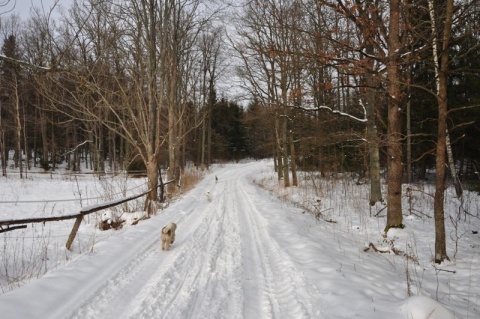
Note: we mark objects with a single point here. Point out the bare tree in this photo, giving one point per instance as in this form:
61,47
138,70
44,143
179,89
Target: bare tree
37,41
441,64
11,78
210,47
367,57
124,72
272,67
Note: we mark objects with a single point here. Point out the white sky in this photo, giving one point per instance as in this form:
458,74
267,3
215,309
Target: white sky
22,7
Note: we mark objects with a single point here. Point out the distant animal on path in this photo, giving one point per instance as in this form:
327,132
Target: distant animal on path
168,235
209,196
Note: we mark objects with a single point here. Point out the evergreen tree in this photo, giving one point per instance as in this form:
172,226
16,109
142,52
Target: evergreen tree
229,134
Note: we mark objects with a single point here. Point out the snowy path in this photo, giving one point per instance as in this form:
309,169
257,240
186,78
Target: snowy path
240,252
225,263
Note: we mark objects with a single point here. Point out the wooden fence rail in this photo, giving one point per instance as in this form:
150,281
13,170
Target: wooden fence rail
3,230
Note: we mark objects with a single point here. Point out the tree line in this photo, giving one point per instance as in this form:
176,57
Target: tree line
368,86
376,88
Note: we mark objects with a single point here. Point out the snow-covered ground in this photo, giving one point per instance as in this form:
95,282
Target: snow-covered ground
245,248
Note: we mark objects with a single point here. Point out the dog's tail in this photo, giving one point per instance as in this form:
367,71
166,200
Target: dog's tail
167,231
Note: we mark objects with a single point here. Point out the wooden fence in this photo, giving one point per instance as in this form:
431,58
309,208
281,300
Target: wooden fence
79,216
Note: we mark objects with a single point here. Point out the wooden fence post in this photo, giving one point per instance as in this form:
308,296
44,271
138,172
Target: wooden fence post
73,233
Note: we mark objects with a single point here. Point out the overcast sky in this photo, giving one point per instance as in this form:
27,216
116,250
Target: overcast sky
22,7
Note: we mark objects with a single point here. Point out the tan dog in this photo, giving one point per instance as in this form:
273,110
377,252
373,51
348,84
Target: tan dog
168,235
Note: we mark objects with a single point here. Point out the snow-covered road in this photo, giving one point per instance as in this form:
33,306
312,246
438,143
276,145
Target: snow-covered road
240,252
225,263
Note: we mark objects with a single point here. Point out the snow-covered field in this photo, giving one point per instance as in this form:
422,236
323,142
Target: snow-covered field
245,248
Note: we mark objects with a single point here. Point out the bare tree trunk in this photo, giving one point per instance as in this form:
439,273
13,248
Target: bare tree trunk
394,145
209,140
101,150
275,161
173,170
440,243
284,141
53,149
441,67
374,164
44,132
372,137
90,155
409,128
69,146
278,150
203,140
3,152
453,171
152,182
76,152
18,128
284,119
205,111
293,159
152,148
111,150
25,145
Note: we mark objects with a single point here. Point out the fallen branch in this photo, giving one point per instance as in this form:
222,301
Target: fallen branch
378,213
445,270
390,250
375,249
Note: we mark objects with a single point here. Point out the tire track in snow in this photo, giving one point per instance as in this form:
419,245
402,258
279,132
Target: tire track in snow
282,289
201,278
224,259
110,300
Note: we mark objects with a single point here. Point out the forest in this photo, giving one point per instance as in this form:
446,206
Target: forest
384,91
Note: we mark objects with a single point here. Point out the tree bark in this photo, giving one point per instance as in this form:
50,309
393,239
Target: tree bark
278,150
372,134
18,128
394,145
453,171
284,148
151,149
441,67
205,112
293,159
3,153
152,181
